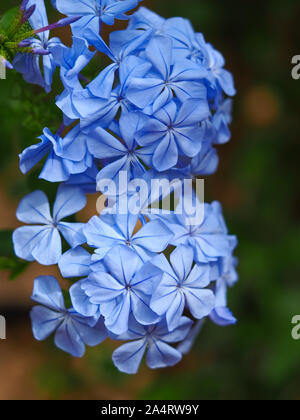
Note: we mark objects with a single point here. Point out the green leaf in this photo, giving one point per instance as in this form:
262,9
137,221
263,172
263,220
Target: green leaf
8,260
14,265
10,20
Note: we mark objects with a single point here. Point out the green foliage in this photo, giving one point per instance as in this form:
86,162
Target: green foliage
8,260
10,20
12,31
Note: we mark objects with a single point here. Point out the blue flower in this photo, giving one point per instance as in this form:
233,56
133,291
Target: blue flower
205,163
125,288
122,44
168,77
192,46
91,108
42,242
29,64
221,120
174,130
146,19
182,285
156,339
227,277
221,315
73,331
105,233
65,156
209,240
94,12
72,61
122,156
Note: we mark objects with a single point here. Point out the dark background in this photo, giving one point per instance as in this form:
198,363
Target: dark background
258,185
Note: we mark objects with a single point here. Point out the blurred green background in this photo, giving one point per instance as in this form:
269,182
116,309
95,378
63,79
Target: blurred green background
257,183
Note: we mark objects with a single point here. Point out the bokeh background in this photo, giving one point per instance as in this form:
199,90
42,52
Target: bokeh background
258,185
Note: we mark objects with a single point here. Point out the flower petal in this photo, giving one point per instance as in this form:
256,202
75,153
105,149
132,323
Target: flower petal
44,322
75,263
161,355
34,208
128,357
69,200
47,291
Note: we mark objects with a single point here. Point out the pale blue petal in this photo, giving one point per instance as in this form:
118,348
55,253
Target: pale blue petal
200,301
48,250
44,322
72,232
67,338
34,208
154,236
69,200
117,262
75,263
128,357
81,301
47,291
161,355
182,260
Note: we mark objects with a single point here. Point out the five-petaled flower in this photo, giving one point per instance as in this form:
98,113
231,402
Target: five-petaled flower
41,241
73,331
182,285
156,338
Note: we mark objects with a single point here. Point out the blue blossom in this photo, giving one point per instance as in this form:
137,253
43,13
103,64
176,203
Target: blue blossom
227,277
29,64
156,340
168,77
94,13
91,108
182,284
123,289
209,241
104,234
122,44
221,315
66,156
73,331
72,61
174,130
41,241
192,46
146,19
221,121
122,156
206,162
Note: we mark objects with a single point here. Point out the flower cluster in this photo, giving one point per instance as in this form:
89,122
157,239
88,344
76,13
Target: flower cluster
157,110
